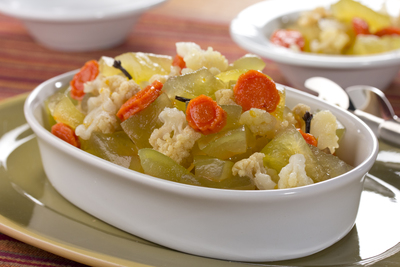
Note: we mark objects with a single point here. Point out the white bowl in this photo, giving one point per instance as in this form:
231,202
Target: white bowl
76,25
253,26
234,225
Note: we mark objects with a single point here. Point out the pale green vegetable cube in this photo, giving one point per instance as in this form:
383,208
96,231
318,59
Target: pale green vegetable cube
66,112
332,164
211,168
200,82
49,105
141,66
230,75
216,173
249,62
287,143
226,144
115,147
140,125
233,115
158,165
346,10
340,130
369,44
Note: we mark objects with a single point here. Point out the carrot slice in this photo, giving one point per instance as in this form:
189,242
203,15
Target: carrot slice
256,90
360,26
288,38
388,31
309,138
140,101
178,61
66,133
204,115
87,73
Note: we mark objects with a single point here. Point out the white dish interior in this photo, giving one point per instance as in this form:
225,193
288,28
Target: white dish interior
224,224
252,28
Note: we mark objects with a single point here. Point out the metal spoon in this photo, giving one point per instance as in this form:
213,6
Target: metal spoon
372,100
384,123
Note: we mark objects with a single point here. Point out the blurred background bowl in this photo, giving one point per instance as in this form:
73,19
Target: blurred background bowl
253,26
75,25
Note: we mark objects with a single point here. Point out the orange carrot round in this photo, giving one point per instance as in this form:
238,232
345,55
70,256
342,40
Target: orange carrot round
288,38
87,73
309,138
360,26
178,61
140,101
204,115
66,133
388,31
256,90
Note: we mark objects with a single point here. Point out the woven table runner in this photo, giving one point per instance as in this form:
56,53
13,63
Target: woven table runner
24,64
16,253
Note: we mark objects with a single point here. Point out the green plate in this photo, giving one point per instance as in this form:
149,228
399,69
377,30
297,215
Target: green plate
32,211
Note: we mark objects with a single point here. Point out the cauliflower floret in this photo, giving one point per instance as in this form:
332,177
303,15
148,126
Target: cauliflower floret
94,86
175,138
102,109
294,174
323,127
101,117
121,89
288,117
196,58
253,167
332,38
225,97
312,17
260,122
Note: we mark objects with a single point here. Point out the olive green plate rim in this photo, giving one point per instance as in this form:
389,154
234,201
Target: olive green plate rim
63,248
21,233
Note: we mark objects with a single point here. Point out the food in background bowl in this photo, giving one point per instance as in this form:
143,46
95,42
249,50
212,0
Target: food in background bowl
253,27
346,28
216,125
239,225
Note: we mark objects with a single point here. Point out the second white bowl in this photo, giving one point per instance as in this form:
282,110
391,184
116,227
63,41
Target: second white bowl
77,25
252,28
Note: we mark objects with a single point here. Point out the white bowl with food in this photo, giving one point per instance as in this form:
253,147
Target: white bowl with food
78,25
339,59
182,211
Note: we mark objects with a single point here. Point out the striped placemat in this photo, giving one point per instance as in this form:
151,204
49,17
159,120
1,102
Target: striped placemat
15,253
24,64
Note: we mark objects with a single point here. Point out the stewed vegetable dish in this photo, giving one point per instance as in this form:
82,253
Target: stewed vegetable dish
196,119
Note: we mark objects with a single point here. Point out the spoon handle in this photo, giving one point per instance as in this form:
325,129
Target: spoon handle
390,131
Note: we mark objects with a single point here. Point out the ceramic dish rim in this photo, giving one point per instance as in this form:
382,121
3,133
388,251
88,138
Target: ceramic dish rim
33,101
